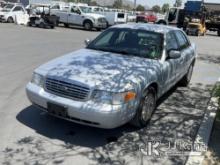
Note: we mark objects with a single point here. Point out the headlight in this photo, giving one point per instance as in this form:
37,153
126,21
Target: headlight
37,79
113,98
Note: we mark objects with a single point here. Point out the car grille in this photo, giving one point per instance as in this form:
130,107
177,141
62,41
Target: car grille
67,89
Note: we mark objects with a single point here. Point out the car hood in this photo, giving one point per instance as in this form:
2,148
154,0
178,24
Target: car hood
101,70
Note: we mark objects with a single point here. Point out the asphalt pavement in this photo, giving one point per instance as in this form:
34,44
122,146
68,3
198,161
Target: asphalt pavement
29,136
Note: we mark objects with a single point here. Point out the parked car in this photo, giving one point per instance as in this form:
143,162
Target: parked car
131,16
9,12
113,16
117,78
146,17
80,16
196,29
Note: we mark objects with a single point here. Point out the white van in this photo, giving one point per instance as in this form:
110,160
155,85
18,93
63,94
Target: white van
113,17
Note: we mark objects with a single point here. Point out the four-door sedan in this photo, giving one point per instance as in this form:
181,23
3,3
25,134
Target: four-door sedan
117,78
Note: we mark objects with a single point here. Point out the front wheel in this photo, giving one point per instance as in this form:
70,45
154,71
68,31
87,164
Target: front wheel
187,78
146,108
10,20
88,25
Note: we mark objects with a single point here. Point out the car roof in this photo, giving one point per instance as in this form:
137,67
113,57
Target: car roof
148,27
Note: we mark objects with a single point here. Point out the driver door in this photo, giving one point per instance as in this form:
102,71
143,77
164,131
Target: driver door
74,17
170,65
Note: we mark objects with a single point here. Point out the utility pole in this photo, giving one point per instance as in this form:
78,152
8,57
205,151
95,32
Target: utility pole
135,4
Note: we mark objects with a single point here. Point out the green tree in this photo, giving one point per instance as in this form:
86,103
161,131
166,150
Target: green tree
156,8
118,4
178,3
127,7
165,7
140,8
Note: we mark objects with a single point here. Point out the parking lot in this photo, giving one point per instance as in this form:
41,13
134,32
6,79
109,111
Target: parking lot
32,137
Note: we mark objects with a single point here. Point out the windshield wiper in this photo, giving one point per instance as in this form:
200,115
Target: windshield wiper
125,52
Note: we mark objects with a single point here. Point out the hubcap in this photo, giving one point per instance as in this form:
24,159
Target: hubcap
148,107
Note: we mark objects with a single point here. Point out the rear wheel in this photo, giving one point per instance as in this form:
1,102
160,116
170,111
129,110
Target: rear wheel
187,78
10,20
146,108
66,25
219,32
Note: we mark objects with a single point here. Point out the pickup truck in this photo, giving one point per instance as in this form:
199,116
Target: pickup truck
146,17
80,16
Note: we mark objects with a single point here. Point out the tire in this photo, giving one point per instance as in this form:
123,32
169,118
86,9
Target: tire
66,25
161,22
98,29
10,20
146,108
187,78
41,25
219,32
88,25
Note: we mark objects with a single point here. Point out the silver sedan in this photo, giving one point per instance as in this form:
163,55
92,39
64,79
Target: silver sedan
117,78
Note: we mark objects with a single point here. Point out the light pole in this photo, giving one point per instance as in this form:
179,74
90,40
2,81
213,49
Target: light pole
135,3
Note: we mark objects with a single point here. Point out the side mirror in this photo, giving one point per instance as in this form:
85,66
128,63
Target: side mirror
87,42
174,54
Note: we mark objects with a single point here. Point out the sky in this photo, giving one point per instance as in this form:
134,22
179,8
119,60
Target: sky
161,2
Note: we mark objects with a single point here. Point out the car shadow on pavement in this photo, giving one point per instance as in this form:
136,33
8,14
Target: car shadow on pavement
178,116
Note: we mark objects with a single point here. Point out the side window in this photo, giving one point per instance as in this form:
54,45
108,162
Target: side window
17,8
171,41
105,40
56,7
75,9
183,42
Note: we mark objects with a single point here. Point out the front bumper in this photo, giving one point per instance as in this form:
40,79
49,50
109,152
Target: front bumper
2,19
100,25
86,113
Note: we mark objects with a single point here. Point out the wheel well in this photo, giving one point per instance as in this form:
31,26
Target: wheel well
161,22
87,20
154,85
10,17
193,62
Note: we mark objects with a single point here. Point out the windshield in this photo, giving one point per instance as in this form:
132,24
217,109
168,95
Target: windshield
8,7
133,42
85,9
